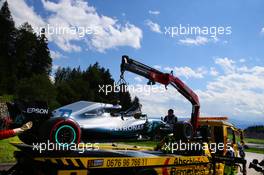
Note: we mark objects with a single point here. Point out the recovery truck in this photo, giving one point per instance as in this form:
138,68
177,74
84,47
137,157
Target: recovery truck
164,159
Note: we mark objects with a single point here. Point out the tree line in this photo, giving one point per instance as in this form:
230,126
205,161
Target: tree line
26,65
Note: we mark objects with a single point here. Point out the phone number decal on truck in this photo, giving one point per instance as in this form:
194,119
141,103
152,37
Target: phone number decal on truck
129,162
115,162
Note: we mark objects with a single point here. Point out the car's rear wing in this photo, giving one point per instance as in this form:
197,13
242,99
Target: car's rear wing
21,111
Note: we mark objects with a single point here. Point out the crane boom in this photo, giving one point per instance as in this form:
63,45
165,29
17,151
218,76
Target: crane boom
154,75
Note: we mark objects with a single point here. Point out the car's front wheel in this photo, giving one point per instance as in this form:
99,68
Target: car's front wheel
65,132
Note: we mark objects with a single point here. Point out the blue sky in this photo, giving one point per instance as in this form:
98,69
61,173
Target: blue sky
226,71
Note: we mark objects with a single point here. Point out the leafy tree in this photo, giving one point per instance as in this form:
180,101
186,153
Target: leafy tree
125,100
73,85
135,101
43,62
23,53
7,51
33,56
36,88
66,94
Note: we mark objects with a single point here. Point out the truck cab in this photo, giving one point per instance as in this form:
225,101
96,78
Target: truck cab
229,139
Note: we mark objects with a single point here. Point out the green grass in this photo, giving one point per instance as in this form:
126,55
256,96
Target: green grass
7,150
255,150
252,140
255,141
140,143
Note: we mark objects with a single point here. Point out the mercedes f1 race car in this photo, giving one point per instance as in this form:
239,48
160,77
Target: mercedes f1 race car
81,121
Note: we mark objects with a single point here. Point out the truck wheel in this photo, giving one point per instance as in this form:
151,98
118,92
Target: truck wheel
65,132
182,131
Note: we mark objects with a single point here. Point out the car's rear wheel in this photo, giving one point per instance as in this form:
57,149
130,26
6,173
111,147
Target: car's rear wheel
65,132
28,137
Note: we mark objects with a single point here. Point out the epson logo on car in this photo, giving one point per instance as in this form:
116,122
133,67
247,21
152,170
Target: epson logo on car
37,110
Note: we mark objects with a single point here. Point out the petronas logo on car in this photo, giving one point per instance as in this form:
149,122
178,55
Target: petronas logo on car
129,128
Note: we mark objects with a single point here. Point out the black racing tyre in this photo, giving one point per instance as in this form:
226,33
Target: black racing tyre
183,131
60,130
28,137
32,135
65,132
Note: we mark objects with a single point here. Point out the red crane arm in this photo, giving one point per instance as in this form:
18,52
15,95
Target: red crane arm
154,75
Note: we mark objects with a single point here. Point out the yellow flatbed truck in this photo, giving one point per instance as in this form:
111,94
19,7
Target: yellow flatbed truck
108,162
112,162
110,159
